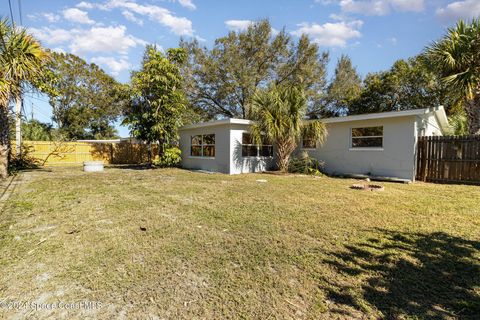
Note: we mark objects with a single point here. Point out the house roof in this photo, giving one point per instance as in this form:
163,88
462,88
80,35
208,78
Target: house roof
438,111
216,123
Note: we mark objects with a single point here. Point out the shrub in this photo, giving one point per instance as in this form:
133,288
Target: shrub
306,165
25,161
170,158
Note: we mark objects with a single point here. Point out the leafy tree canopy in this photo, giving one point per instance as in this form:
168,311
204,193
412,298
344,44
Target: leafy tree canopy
409,84
221,81
157,99
345,87
86,101
34,130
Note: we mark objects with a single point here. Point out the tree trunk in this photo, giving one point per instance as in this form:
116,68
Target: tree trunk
4,141
284,151
161,148
472,109
18,126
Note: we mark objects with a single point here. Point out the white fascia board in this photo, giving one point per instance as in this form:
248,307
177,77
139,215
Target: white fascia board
216,123
379,115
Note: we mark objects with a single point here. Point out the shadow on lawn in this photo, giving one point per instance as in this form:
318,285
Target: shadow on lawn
410,275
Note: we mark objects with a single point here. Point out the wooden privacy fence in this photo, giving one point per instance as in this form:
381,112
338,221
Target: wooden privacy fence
449,159
51,153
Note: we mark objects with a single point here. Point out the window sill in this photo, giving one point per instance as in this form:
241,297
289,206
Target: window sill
197,157
365,149
308,149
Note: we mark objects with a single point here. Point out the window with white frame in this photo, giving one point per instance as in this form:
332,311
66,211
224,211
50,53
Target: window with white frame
203,145
367,137
250,149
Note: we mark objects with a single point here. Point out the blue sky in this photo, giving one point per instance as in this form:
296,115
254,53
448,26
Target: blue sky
112,33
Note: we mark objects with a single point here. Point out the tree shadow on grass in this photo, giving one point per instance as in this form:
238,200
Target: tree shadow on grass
409,275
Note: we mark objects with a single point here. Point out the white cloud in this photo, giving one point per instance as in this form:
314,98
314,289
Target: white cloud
115,65
104,39
85,5
393,41
187,4
331,34
96,39
238,25
460,10
49,16
178,25
77,15
51,36
381,7
132,18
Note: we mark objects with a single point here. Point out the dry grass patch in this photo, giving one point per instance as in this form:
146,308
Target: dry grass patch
177,244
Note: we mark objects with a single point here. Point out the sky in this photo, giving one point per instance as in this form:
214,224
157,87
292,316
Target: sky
113,33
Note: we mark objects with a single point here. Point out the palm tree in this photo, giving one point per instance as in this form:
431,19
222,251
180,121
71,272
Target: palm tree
279,114
21,61
457,55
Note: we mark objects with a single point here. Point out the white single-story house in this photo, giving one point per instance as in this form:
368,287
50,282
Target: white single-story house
378,144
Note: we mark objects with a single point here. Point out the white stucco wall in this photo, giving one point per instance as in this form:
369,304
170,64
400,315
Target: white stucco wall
239,164
428,125
395,159
219,163
228,151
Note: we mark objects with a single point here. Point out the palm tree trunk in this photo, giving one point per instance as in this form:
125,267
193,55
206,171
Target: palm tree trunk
18,125
4,141
472,109
284,151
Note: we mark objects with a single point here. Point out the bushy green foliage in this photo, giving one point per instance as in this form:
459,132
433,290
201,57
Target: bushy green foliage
306,165
34,130
459,124
408,84
171,157
157,98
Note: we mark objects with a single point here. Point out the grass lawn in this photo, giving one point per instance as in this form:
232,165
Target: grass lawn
175,244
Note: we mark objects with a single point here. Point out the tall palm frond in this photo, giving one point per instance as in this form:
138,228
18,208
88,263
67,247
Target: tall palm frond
279,114
458,56
21,63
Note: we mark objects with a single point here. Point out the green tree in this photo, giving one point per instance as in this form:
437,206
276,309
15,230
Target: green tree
279,114
457,55
21,65
223,80
157,98
345,87
409,84
86,101
35,130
